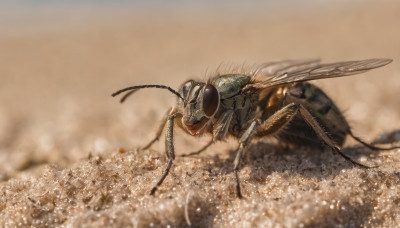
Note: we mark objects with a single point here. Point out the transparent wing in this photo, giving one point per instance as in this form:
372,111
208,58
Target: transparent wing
278,73
272,68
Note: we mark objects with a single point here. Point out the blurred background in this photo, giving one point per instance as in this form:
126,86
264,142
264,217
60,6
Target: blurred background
61,60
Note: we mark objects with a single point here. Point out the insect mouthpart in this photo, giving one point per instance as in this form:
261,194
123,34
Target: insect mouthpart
194,126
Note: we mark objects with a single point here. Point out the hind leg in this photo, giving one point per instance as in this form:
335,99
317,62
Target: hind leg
372,147
280,119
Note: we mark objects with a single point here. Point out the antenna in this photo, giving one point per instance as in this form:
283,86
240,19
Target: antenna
133,89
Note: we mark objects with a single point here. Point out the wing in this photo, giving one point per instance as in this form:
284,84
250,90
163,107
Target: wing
272,68
279,73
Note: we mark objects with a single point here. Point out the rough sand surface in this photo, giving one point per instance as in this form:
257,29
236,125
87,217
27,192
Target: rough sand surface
69,152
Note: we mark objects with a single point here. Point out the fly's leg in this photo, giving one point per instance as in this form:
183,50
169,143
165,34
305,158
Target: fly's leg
199,151
219,132
277,121
273,124
169,146
159,131
372,147
324,137
221,127
243,142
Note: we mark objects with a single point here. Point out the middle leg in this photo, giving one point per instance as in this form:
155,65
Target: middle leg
273,124
199,151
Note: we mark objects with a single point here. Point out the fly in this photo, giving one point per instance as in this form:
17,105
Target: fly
274,100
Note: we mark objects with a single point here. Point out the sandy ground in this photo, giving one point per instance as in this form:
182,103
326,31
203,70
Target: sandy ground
69,152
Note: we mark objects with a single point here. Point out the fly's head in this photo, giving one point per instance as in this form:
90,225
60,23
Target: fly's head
200,103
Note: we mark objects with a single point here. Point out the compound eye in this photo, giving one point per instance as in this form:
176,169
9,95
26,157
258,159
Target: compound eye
210,100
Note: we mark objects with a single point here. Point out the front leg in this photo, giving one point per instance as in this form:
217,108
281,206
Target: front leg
243,142
160,129
220,131
221,127
169,146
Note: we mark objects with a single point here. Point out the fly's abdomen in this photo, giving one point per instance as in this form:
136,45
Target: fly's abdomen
324,111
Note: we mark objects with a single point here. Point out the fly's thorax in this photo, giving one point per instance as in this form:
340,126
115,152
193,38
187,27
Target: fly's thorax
201,102
243,104
230,85
241,101
230,89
